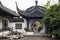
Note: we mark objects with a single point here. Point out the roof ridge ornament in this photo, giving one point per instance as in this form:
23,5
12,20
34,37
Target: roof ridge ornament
16,4
36,2
1,3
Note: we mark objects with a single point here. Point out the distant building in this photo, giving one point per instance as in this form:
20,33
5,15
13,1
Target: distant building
6,15
29,20
31,16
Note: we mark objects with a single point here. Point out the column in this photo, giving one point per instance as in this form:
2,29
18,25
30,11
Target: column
28,24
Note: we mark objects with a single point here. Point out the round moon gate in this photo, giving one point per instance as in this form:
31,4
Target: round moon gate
36,26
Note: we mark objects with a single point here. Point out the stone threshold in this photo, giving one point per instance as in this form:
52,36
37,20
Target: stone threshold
31,34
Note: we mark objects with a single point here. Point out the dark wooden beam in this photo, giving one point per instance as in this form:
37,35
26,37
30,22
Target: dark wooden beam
28,24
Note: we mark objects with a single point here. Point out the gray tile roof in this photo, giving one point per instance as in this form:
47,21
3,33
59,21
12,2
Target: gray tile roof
9,11
34,11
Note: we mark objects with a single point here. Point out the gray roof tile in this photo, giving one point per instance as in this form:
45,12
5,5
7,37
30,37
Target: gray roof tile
7,10
34,11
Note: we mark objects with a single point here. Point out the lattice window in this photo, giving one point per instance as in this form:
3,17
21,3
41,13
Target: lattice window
18,26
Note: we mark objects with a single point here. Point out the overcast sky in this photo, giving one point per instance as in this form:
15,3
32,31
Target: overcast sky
24,4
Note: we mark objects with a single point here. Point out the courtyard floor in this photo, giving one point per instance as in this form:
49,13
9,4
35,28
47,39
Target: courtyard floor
36,38
32,38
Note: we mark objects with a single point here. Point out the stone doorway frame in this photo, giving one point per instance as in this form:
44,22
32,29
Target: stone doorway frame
32,27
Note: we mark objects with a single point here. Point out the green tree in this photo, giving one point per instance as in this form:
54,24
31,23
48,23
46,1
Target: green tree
52,19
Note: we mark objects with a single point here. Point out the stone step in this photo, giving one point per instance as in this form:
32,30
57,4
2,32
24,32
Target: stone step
37,35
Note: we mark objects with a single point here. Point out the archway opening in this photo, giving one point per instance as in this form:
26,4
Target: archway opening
36,26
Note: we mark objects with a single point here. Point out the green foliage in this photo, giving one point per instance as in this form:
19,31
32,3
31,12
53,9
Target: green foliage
56,32
52,19
5,23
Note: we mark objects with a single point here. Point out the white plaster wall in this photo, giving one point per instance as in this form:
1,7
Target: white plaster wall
43,29
12,25
8,23
24,25
0,24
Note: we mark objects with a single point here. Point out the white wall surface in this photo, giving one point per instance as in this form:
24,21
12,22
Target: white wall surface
12,25
43,29
24,25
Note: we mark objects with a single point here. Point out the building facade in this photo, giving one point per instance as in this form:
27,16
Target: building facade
33,18
5,15
30,20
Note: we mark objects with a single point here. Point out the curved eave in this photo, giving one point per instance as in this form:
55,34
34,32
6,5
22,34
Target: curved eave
7,11
4,13
27,16
32,12
35,7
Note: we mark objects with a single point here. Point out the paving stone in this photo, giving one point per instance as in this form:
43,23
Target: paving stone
32,38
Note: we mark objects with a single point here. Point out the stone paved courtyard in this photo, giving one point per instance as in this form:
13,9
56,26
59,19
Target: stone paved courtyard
32,38
36,38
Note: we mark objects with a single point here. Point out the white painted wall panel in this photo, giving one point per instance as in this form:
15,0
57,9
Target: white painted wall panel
24,25
12,25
